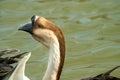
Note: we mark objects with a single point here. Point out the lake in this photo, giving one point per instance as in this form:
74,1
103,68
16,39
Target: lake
91,29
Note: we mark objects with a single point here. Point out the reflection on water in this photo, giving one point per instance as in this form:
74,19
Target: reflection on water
91,28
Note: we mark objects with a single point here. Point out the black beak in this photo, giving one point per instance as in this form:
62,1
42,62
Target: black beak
27,27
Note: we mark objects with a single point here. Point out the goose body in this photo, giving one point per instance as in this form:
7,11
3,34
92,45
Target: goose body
19,71
13,68
51,36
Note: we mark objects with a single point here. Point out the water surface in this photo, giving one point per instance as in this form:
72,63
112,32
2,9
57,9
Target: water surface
91,29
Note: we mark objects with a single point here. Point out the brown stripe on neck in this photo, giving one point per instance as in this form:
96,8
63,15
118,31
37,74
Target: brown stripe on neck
62,54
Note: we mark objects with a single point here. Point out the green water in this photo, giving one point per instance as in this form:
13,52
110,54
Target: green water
91,29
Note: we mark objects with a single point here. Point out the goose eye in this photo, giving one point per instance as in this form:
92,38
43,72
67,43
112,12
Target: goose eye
40,26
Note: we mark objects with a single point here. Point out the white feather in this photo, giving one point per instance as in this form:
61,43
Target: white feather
18,73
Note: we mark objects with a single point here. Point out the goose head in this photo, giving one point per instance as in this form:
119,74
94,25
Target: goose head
42,30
